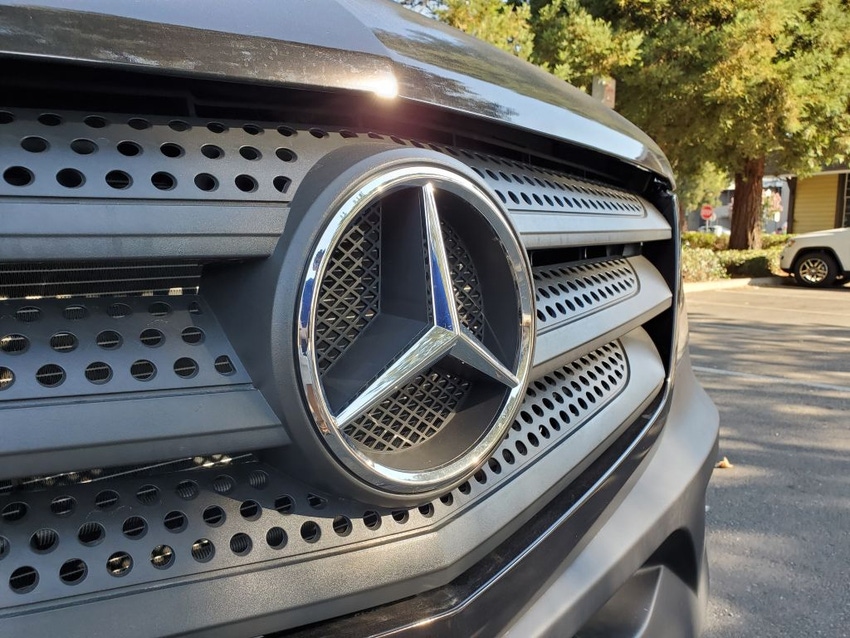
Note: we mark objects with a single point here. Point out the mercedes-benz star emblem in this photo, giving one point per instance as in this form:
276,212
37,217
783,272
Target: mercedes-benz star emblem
415,329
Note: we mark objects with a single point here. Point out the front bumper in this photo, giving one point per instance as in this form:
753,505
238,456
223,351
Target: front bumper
643,554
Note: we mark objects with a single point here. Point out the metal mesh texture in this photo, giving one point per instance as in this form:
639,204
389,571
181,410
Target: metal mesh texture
412,415
465,282
570,291
349,297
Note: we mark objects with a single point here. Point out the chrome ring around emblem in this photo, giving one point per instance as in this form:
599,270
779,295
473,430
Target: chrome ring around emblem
419,323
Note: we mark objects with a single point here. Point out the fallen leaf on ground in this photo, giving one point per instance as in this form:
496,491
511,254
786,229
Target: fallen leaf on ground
723,464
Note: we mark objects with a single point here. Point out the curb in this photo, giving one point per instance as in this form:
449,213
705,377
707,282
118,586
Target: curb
721,284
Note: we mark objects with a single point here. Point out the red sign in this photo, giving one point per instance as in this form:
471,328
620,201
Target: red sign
706,212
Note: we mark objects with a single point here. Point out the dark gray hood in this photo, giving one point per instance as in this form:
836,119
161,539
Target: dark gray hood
364,45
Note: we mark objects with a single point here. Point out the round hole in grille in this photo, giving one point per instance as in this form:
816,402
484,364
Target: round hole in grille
342,526
240,544
214,516
250,153
285,155
6,117
447,500
494,466
159,309
7,378
91,533
464,488
246,183
82,146
193,335
175,521
98,372
284,504
276,538
50,119
14,344
129,149
162,556
95,121
151,337
118,180
170,149
134,527
372,520
250,510
401,516
179,126
50,375
211,151
4,547
481,477
70,178
163,181
195,308
18,176
426,510
311,532
63,505
34,144
44,541
75,312
223,484
318,133
258,479
224,365
185,367
281,183
316,502
143,370
73,571
119,564
148,494
216,127
119,310
106,499
108,340
252,129
138,123
286,131
27,314
23,580
203,550
14,512
206,182
187,490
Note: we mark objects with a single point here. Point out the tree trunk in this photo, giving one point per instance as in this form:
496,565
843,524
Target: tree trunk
746,210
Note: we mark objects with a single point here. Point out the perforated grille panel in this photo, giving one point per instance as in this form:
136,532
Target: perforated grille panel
412,415
349,298
99,531
465,282
571,291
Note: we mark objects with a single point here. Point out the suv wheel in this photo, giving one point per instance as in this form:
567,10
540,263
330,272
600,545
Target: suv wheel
816,269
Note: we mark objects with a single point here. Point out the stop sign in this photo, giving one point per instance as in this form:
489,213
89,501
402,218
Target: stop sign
706,212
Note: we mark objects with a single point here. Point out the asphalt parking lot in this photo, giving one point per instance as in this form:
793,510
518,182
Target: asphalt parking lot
776,361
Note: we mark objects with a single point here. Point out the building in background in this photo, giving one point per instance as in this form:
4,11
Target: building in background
821,201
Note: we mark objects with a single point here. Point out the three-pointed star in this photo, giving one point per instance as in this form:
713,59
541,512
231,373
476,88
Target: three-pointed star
446,336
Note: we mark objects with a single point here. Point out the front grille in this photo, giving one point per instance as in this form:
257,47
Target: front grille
350,294
465,282
413,415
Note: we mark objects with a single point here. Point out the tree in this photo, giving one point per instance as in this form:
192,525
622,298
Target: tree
498,22
745,82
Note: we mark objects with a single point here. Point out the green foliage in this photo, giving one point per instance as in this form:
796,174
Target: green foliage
495,21
572,44
701,264
772,241
696,239
701,184
751,263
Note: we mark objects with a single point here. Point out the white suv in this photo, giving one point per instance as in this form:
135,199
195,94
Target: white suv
819,258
